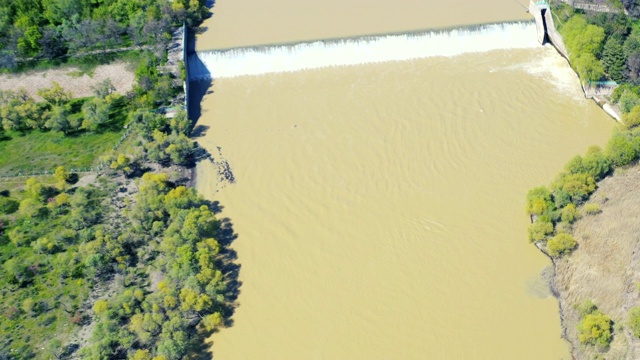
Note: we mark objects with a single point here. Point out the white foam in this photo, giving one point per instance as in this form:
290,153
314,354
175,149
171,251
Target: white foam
356,51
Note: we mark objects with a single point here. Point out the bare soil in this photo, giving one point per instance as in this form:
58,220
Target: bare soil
605,267
71,79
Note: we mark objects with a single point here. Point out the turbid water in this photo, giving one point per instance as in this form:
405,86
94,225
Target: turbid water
238,23
379,207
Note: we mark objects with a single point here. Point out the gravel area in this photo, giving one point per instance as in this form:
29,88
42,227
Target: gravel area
70,79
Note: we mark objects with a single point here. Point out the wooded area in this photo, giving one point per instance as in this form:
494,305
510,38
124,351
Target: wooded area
48,29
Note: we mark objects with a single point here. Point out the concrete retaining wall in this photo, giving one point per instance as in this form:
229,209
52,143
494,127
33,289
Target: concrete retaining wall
185,84
597,5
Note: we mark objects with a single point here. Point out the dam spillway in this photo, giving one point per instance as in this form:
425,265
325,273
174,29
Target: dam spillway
278,58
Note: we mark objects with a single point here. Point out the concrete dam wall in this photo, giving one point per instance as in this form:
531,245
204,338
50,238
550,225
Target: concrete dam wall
317,54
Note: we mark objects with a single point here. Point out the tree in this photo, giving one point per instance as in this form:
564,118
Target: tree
577,187
180,124
8,205
621,149
58,120
141,355
628,100
103,88
539,230
96,113
100,307
51,43
55,348
613,59
595,329
632,7
632,118
596,163
62,176
589,67
212,321
569,214
582,38
539,201
55,95
561,244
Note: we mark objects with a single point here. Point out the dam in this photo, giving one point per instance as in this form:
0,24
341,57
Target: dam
379,194
276,58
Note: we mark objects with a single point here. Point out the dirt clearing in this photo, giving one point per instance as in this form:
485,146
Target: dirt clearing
71,79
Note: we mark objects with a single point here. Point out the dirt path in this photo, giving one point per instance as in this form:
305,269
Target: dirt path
71,79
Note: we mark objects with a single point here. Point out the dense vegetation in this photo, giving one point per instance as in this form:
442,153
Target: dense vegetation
133,265
50,29
34,136
606,47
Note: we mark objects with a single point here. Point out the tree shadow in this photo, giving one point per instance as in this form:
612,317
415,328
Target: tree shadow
215,207
199,130
200,80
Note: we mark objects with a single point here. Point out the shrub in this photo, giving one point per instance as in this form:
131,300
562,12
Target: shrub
561,244
634,321
539,230
539,201
8,205
586,307
596,163
595,329
570,214
573,187
591,208
632,118
621,149
628,100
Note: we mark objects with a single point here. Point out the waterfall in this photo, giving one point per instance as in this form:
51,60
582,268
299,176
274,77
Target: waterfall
360,50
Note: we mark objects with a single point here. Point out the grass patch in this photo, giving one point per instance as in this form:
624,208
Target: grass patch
38,151
86,64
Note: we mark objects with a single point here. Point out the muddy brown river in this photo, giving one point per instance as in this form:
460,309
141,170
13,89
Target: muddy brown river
380,207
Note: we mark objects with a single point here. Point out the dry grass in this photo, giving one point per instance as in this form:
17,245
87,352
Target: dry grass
606,266
71,79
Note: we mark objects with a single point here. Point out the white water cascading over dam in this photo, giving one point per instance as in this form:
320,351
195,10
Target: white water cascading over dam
278,58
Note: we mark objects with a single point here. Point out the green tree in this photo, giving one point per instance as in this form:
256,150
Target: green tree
103,89
573,187
539,230
62,177
141,355
55,95
8,205
561,244
628,100
539,201
96,113
620,149
569,214
589,67
596,163
613,59
58,120
595,329
582,38
212,321
632,118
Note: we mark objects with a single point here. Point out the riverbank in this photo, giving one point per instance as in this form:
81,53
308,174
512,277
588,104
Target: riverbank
605,268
